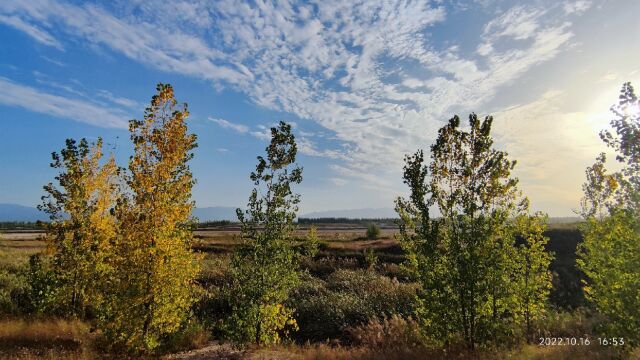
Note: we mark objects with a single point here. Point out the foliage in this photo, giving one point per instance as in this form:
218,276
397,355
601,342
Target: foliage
610,259
394,332
532,278
373,231
466,260
81,225
39,297
611,206
326,309
370,258
151,294
265,268
14,292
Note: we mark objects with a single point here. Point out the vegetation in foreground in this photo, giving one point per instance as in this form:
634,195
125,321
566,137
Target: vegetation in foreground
123,275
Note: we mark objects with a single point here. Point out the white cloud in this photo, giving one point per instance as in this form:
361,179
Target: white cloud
263,134
155,45
119,100
229,125
577,7
34,32
307,147
519,22
338,181
609,77
333,62
54,61
14,94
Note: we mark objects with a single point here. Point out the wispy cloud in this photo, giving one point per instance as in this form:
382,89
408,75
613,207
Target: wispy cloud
338,181
264,133
577,7
119,100
307,147
54,61
34,32
14,94
333,62
229,125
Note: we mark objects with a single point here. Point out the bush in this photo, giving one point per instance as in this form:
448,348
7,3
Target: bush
325,266
578,323
393,332
191,335
28,288
370,258
373,231
13,291
325,309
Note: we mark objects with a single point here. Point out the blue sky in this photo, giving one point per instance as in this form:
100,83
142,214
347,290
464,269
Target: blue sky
363,82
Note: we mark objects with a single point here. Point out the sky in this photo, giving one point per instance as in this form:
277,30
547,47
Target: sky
362,82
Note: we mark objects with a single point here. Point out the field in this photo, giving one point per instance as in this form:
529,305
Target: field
351,281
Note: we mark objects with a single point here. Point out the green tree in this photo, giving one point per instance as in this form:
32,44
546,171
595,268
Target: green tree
373,231
265,268
82,227
153,289
466,259
531,282
609,255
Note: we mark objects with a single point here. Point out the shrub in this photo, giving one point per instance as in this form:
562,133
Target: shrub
325,266
577,323
370,258
325,309
393,332
373,231
11,286
191,336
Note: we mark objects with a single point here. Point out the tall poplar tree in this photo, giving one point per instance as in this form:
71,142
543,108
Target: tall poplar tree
82,226
610,252
154,287
464,260
532,279
265,268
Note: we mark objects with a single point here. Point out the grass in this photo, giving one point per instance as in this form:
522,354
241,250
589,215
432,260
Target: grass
525,352
45,339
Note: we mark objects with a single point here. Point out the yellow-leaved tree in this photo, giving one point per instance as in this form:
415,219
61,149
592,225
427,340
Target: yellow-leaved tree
81,228
153,290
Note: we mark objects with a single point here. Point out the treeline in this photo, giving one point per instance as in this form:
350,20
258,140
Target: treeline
120,256
213,224
340,220
22,225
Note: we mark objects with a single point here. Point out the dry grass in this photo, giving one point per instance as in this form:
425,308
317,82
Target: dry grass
45,339
15,249
527,352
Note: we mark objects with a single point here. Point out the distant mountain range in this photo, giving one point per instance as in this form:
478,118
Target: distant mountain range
366,213
215,213
13,212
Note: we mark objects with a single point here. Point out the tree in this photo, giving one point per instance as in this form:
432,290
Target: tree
465,260
82,227
373,231
265,268
153,289
609,255
532,281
